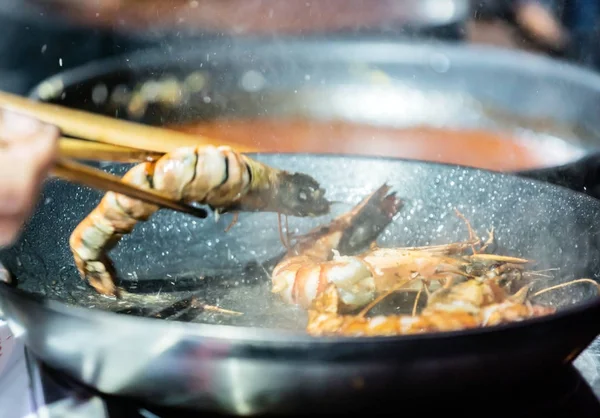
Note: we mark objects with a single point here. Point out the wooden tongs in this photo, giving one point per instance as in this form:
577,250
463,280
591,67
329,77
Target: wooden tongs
88,136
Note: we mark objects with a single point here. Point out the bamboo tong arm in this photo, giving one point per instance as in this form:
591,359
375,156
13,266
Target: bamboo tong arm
107,130
95,151
88,176
98,179
124,140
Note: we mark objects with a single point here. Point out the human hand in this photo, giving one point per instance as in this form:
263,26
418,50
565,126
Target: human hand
27,151
539,21
536,20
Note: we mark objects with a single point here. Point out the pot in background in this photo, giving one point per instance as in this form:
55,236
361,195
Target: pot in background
179,18
470,105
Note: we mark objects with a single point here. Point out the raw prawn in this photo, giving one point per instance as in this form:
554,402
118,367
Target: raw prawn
219,177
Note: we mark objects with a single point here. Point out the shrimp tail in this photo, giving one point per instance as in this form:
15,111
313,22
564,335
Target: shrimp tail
376,213
353,230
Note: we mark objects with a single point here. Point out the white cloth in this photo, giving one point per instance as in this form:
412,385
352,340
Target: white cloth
15,400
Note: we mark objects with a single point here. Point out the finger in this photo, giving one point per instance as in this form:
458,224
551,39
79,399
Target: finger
10,227
29,150
20,183
39,150
16,128
18,180
5,275
540,23
26,139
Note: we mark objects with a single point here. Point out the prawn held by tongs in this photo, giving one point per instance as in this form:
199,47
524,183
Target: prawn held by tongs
219,177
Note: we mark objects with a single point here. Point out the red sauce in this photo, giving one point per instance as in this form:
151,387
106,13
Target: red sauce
475,148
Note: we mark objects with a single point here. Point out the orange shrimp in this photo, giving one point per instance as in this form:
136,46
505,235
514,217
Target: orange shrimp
467,305
216,176
315,261
308,266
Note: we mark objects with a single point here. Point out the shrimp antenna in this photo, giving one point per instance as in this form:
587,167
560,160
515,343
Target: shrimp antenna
284,239
569,283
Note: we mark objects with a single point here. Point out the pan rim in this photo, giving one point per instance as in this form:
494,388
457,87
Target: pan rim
379,50
277,336
266,336
384,51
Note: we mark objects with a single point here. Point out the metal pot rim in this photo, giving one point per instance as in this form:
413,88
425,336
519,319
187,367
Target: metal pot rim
392,52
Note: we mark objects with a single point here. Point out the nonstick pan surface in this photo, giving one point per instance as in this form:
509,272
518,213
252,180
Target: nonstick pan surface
262,361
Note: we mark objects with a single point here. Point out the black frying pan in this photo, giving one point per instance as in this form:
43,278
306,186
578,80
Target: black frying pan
154,346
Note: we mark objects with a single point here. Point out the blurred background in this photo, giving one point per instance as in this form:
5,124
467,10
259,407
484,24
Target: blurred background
42,37
541,112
